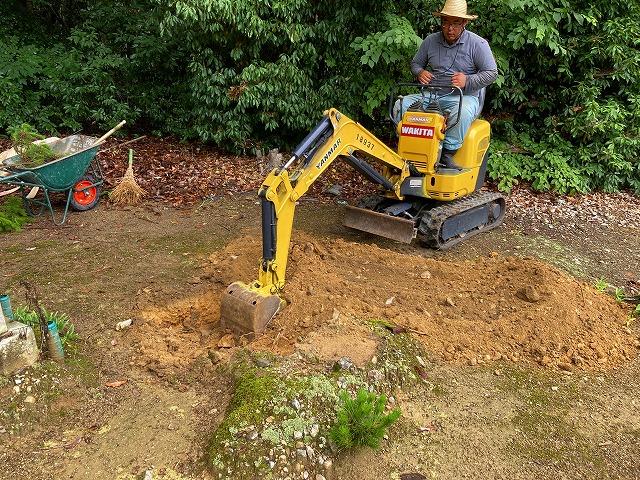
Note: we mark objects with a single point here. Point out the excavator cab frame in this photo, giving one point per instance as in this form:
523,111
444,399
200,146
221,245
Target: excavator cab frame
433,89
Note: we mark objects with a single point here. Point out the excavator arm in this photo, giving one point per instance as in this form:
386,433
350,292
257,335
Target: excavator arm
248,308
335,136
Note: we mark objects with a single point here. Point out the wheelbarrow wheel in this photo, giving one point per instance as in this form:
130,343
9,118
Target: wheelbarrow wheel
85,194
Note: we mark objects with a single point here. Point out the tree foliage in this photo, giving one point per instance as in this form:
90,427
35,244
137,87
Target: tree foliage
249,75
567,100
264,71
73,64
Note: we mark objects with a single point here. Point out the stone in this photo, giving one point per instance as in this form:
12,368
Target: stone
344,363
18,348
565,366
529,294
227,341
335,190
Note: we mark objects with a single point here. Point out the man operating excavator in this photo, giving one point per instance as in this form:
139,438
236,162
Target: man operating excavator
454,56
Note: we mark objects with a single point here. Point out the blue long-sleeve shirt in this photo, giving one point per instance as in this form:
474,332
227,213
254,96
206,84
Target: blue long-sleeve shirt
470,55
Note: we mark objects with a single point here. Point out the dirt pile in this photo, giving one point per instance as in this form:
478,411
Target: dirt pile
471,312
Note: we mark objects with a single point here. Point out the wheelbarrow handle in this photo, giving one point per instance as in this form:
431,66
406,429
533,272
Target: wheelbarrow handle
109,133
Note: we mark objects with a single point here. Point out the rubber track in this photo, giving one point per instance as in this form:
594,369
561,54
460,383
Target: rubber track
432,220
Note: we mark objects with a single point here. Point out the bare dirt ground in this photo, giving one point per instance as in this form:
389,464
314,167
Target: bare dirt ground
529,370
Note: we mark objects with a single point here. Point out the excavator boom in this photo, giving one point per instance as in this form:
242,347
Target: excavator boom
248,308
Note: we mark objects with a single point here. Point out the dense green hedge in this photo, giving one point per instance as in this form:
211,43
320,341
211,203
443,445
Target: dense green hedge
249,75
70,65
569,94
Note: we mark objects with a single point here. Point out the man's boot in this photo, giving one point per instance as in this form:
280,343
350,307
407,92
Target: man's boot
446,159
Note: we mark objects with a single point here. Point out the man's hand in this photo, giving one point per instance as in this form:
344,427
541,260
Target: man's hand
425,77
459,80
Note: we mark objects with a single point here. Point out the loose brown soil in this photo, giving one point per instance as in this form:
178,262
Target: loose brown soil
510,320
466,312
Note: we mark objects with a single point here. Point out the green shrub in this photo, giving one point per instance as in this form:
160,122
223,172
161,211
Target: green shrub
31,154
13,216
568,87
89,65
361,420
539,164
66,330
257,75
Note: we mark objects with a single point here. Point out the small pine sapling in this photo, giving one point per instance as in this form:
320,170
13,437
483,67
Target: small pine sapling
361,420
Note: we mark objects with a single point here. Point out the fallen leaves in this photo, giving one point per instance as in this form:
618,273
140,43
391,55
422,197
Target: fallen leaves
428,428
117,383
186,174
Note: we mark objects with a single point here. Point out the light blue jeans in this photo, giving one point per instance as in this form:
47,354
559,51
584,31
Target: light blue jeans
470,111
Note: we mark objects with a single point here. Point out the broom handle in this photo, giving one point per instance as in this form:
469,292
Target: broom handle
130,157
109,133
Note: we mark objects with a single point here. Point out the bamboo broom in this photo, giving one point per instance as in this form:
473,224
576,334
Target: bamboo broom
127,191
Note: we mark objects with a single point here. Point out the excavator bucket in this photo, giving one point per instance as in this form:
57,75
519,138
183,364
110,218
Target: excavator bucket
399,229
246,310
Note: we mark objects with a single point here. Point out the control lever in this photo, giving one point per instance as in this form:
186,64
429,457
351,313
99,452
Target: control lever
446,119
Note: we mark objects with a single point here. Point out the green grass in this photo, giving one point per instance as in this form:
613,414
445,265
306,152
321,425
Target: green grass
543,432
556,254
53,383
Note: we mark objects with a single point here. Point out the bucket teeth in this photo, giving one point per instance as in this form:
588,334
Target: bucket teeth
247,311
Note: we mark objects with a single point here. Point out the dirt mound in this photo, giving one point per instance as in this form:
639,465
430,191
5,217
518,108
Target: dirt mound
470,312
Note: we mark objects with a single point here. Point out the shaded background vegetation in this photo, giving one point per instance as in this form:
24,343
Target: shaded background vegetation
565,110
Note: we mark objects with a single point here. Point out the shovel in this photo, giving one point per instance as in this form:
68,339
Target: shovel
108,134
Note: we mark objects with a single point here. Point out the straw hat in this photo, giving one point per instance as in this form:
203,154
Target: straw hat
455,8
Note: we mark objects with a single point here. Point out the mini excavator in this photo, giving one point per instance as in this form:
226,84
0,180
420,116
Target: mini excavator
416,198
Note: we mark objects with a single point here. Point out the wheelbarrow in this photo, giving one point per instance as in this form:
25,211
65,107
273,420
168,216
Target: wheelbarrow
76,173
